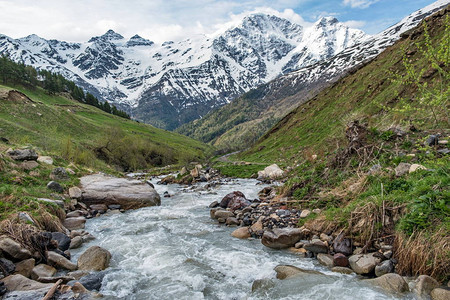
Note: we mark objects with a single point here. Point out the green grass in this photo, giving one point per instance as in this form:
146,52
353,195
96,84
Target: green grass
62,126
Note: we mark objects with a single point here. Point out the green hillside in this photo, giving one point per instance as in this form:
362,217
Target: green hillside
86,135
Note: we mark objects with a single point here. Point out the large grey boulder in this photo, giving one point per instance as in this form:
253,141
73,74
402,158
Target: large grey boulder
60,262
14,249
271,172
363,263
26,154
280,238
128,193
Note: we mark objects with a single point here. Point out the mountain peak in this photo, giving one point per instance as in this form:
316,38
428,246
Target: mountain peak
327,21
137,40
110,35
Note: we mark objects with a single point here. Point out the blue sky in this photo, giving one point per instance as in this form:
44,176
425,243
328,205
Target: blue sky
162,20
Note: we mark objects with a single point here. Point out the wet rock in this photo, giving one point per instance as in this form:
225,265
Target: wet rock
42,270
92,281
55,186
75,193
340,260
223,214
7,267
59,174
241,233
232,221
342,270
62,239
76,242
64,279
271,172
14,249
262,285
214,204
342,245
20,155
424,285
280,238
317,246
402,169
2,288
128,193
75,223
325,259
363,263
45,159
78,288
287,271
25,267
235,200
385,267
95,258
391,282
101,208
78,274
21,283
60,262
258,225
440,294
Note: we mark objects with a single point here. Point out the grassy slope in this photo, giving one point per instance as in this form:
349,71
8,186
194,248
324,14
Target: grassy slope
62,120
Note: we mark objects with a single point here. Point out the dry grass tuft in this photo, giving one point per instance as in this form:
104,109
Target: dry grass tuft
50,222
422,254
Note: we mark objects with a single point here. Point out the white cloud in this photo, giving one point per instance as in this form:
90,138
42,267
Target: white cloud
355,24
359,3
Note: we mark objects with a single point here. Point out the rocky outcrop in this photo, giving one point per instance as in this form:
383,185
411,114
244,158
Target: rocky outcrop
128,193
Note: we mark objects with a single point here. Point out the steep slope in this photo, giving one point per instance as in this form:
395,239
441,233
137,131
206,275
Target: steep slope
170,84
240,123
86,135
317,126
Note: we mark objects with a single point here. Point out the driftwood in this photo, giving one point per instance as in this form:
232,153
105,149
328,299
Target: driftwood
52,291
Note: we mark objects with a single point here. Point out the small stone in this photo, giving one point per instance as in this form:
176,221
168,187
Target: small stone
45,159
101,208
21,155
76,242
74,214
262,284
342,270
25,217
317,246
75,193
42,270
74,223
59,174
385,267
416,167
258,225
55,186
432,140
62,239
25,267
224,214
6,267
214,204
363,263
402,169
340,260
78,288
29,165
305,213
241,233
325,238
388,254
316,211
21,283
286,271
325,259
232,221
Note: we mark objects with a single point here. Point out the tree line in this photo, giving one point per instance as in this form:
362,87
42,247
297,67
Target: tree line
19,73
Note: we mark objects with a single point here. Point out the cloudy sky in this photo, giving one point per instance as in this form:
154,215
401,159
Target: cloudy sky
162,20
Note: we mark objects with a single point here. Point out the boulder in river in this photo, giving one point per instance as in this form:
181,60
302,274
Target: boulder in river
95,258
287,271
391,282
235,200
128,193
60,262
280,238
241,233
424,285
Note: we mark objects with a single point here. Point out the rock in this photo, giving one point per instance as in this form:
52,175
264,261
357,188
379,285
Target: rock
101,208
432,140
75,193
74,223
55,186
424,285
183,171
262,284
3,289
95,258
29,165
342,245
402,169
25,267
325,259
440,294
62,239
363,263
78,274
59,174
114,207
340,260
316,246
416,167
20,155
74,214
128,193
375,169
78,288
42,270
14,249
287,271
195,172
224,214
305,213
280,238
444,151
76,242
60,203
241,233
271,172
325,238
65,279
45,159
21,283
25,217
7,267
93,281
390,282
385,267
232,221
235,200
214,204
60,262
258,225
342,270
87,237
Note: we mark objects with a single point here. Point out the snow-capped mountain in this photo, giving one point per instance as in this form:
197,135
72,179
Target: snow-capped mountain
176,82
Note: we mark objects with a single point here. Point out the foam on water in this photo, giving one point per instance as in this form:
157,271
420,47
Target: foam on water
176,251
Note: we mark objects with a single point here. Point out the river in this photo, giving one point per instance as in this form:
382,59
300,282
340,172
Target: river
175,251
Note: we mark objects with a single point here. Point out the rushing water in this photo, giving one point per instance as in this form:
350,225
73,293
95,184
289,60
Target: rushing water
175,251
